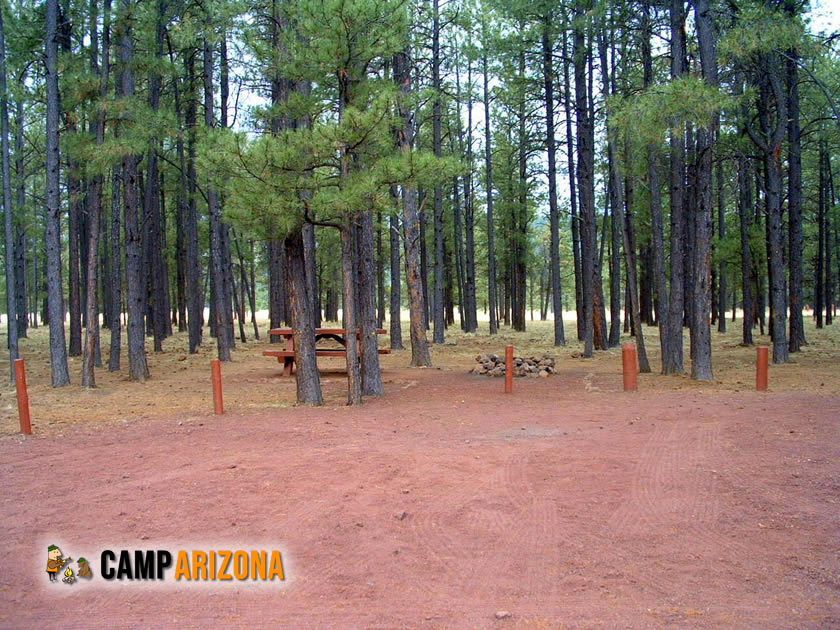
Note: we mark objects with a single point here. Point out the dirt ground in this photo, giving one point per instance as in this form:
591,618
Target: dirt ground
567,504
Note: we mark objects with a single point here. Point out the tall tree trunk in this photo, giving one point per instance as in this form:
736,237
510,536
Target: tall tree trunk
701,356
252,294
672,358
770,143
380,273
182,261
614,193
228,286
470,309
55,298
311,272
629,239
21,283
395,310
349,275
488,164
134,268
10,258
520,234
437,304
195,290
585,176
217,241
307,377
116,270
74,237
366,308
419,346
819,269
573,203
797,326
95,194
722,279
831,226
744,214
458,245
155,235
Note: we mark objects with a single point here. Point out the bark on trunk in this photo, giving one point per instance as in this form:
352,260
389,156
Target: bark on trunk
585,176
10,258
351,323
573,202
722,271
307,377
55,298
437,304
369,355
135,271
419,346
488,164
95,196
195,290
395,310
217,249
797,326
701,361
672,358
744,214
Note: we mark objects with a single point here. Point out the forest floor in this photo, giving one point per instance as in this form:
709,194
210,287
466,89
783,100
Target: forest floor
568,504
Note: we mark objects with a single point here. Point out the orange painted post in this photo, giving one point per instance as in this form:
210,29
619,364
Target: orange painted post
628,361
22,398
508,369
761,369
216,371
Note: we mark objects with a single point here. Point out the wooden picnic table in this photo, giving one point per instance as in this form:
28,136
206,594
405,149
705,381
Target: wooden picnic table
286,356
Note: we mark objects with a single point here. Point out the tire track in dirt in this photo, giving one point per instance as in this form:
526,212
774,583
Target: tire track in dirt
542,533
674,486
459,543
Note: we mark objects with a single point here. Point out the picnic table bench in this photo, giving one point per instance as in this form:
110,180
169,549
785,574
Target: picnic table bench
339,335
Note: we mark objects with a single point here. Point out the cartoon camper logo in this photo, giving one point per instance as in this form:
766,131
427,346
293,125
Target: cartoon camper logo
56,562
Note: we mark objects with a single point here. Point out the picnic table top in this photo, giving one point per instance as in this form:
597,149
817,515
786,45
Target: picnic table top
286,331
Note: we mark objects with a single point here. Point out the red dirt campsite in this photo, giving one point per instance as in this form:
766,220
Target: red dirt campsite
444,503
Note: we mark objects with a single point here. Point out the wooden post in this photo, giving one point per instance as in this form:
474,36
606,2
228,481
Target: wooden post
22,398
508,369
216,372
628,361
761,369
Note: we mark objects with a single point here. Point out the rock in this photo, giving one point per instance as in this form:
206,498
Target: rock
543,374
400,516
503,614
532,375
499,371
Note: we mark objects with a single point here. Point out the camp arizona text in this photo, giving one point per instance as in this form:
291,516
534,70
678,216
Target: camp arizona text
217,565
